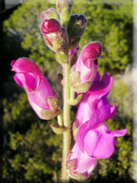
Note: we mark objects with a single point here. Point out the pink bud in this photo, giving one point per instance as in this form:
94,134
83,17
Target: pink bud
42,98
55,41
50,26
87,64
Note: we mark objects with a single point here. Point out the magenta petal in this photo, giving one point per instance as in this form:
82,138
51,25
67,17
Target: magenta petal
119,133
19,78
84,162
99,89
98,142
91,141
98,116
31,81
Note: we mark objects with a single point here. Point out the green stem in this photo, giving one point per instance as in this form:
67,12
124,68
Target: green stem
66,119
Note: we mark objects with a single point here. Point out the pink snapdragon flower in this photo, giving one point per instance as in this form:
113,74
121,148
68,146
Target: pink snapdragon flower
78,164
93,142
84,71
96,140
42,98
95,100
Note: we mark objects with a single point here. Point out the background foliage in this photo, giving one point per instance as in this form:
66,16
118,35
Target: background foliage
32,152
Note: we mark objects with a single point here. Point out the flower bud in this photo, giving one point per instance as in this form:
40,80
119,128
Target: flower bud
52,1
50,26
54,34
64,7
42,98
73,55
62,56
55,41
76,26
50,13
84,71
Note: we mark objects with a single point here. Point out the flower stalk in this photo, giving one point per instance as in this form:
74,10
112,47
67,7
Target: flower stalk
66,119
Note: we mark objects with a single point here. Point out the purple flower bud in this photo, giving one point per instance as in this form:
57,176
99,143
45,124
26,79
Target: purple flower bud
42,98
84,71
50,13
76,26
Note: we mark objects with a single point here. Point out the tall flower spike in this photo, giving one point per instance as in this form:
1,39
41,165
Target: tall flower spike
54,34
84,71
42,98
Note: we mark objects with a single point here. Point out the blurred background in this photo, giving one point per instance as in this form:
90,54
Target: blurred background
31,151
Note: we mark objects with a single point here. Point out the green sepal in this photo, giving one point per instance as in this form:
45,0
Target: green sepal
75,82
76,100
74,43
78,176
61,57
74,129
54,103
58,130
51,14
82,88
75,78
49,114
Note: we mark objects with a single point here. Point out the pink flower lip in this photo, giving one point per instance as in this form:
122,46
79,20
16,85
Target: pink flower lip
12,63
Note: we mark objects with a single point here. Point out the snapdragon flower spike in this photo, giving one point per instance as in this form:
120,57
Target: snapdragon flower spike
54,34
76,26
42,98
96,140
95,101
84,71
50,13
79,165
